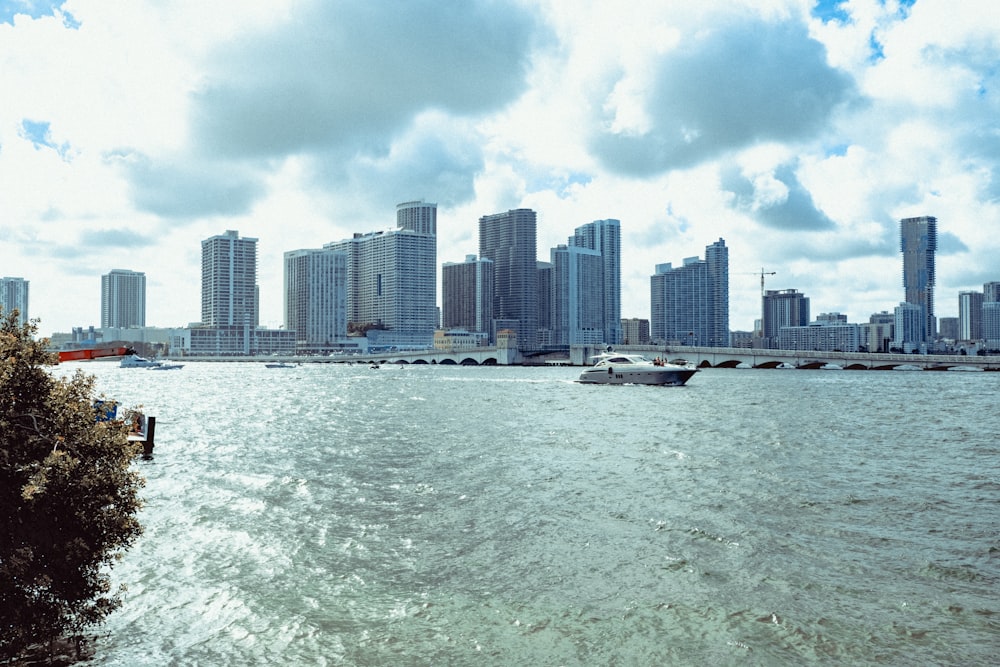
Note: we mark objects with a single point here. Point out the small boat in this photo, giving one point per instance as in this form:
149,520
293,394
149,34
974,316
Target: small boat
831,367
280,365
135,361
785,366
613,368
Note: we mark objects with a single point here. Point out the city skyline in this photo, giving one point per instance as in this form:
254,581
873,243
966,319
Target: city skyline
800,132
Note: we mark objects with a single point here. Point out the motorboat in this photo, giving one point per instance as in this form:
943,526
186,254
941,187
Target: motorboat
135,361
280,364
616,368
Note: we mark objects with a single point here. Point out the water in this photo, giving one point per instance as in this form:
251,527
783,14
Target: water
424,515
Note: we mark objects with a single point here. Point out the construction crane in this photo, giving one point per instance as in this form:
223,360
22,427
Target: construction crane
761,273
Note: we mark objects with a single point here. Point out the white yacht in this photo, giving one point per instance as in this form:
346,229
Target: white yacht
615,368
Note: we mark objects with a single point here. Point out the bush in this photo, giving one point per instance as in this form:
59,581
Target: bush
68,497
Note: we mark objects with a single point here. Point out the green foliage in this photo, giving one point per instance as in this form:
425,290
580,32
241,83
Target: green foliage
68,497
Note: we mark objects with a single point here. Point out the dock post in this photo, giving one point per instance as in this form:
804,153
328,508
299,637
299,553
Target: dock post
147,444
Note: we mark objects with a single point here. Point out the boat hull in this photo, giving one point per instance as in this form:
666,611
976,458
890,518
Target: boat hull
674,377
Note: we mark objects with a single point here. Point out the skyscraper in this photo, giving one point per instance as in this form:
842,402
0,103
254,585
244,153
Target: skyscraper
918,243
14,295
417,216
782,308
509,241
123,299
467,294
229,281
970,314
577,311
605,236
689,305
316,298
392,285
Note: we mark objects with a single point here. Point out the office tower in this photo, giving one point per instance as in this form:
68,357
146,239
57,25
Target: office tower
392,285
417,216
123,299
604,236
509,241
948,328
229,281
991,326
545,271
782,308
877,333
316,298
918,243
635,331
14,296
467,294
991,292
577,311
970,313
910,324
689,305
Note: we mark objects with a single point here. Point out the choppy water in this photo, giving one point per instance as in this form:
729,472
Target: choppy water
337,515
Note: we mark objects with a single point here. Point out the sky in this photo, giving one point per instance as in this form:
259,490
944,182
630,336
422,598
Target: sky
800,132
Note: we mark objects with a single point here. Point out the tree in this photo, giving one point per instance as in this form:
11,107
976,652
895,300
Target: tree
68,497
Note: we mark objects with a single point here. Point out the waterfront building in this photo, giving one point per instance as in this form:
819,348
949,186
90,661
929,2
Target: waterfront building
918,243
909,327
635,331
14,296
392,286
605,237
821,335
545,276
229,281
458,339
123,299
509,240
315,299
948,328
417,216
467,294
577,316
782,308
991,326
689,305
877,332
970,313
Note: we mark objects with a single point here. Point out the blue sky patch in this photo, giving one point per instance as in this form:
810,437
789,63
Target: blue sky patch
831,10
35,9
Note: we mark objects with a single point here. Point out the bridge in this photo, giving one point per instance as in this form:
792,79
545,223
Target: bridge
735,357
703,357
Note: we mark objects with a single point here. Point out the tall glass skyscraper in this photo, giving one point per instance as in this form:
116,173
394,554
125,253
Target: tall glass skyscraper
417,216
229,281
509,240
123,299
689,305
918,243
14,295
577,311
605,237
467,294
782,308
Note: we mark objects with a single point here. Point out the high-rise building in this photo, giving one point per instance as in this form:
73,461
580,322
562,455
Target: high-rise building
392,286
635,331
991,292
316,298
14,296
229,281
991,326
417,216
782,308
909,327
467,294
689,305
970,314
509,240
123,299
605,237
577,312
918,243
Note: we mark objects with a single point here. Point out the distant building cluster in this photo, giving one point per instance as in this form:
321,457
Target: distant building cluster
377,291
